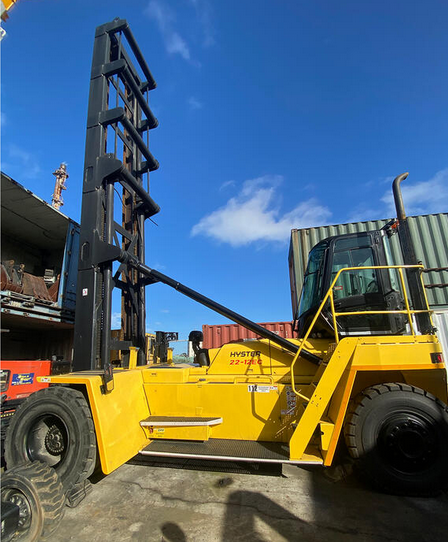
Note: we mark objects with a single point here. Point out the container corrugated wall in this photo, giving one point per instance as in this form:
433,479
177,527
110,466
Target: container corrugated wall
429,233
216,336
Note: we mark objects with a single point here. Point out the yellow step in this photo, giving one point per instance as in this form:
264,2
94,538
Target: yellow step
179,427
179,421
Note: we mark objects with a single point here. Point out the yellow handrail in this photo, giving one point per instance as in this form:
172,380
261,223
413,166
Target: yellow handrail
406,302
329,295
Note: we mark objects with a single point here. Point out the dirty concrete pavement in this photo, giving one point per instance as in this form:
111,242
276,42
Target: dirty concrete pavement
147,501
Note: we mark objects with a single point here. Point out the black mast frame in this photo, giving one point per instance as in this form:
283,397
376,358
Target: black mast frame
116,157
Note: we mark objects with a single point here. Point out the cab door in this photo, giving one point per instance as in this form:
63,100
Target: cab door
361,290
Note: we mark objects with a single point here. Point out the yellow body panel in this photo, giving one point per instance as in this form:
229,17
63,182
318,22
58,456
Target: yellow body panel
116,415
255,399
391,352
262,358
250,411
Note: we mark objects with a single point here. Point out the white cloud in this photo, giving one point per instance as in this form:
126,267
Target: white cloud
387,180
176,44
164,16
194,103
227,184
19,160
254,215
424,197
204,14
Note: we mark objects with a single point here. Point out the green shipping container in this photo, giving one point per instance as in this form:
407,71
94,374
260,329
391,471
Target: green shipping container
430,236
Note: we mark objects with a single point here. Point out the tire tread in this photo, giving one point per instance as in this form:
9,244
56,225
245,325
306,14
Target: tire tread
352,428
48,488
75,401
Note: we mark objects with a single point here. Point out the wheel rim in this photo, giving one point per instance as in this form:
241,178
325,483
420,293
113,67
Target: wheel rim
408,442
16,497
47,440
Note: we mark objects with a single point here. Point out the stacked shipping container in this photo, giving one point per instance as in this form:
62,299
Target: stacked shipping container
429,234
216,336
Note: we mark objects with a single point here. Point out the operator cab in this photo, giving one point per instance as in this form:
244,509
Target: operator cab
356,290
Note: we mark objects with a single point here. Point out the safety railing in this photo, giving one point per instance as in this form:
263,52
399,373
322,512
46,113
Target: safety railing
330,296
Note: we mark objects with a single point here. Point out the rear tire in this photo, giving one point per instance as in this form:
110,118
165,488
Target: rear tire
399,436
55,426
39,495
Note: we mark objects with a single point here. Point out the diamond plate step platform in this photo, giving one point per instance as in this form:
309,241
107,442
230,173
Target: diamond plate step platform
230,450
179,421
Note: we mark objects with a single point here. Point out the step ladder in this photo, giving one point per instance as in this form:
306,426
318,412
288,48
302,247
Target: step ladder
314,400
187,437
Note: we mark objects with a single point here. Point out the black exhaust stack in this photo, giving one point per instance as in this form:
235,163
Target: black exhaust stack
410,258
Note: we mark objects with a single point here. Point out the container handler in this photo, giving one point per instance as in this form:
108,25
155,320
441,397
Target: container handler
367,369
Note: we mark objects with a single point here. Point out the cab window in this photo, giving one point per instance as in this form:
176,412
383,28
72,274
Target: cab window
357,281
312,281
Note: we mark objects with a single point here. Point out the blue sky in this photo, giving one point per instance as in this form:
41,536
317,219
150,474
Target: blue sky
273,115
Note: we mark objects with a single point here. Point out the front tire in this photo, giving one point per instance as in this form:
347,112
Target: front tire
55,426
36,490
399,436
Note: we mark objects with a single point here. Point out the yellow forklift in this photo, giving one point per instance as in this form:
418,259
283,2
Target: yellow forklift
366,370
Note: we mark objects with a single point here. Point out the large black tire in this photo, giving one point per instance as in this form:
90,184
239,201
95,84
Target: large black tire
399,436
36,490
55,426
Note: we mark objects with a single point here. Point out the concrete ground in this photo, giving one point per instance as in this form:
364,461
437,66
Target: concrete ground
203,502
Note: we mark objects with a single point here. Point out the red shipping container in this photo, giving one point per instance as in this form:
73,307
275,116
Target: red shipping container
216,336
